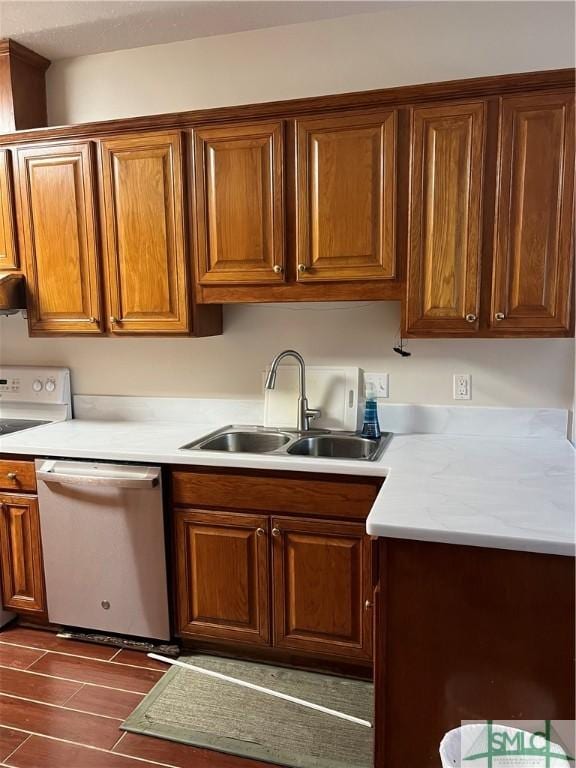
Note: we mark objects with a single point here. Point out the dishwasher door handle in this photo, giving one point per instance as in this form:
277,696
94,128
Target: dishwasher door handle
148,481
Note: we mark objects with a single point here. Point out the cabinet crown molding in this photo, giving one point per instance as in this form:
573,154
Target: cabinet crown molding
9,47
402,96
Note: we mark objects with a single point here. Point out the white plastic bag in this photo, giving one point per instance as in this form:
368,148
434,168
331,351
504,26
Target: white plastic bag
473,739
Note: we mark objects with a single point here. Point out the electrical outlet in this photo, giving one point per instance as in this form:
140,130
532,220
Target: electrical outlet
379,382
462,386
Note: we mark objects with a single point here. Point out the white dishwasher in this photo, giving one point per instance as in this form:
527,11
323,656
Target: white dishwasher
102,531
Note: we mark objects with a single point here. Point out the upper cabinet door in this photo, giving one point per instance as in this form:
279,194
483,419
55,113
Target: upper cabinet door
534,247
445,218
59,235
346,197
143,209
8,253
239,219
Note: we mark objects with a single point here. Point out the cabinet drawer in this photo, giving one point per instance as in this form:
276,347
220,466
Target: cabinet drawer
17,476
329,496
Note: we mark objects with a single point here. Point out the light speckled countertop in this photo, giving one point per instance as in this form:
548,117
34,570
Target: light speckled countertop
507,493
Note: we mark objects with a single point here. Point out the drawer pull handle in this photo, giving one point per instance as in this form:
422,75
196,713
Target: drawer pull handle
471,318
12,476
113,320
278,269
276,532
260,532
302,268
500,316
368,605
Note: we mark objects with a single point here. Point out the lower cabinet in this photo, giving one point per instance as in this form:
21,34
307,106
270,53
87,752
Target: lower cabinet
21,554
322,587
462,632
223,576
298,584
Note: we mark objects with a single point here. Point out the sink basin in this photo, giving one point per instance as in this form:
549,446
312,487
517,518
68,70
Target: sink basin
238,441
340,447
281,442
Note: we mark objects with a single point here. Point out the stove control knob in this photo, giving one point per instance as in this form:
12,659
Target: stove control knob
37,385
50,385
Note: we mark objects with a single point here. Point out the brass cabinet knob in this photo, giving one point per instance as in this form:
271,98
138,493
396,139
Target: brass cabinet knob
302,268
500,316
278,269
276,532
471,318
12,476
368,605
260,532
113,320
92,320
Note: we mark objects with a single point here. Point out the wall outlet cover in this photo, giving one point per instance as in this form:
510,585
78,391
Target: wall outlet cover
462,386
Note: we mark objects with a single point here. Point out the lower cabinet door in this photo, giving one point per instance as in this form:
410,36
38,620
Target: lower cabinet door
222,576
21,554
322,587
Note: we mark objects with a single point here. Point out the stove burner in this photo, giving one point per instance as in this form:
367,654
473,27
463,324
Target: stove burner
16,425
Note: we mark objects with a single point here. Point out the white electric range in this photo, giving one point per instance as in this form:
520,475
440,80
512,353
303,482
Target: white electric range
32,396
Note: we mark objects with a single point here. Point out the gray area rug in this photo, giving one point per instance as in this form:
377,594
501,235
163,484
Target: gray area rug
191,708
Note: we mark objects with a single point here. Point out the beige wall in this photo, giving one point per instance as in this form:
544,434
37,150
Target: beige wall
514,372
406,45
419,43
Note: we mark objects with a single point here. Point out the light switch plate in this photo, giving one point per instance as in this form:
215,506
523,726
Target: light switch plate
380,383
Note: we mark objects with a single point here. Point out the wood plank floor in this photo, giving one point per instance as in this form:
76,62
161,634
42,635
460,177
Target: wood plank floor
62,702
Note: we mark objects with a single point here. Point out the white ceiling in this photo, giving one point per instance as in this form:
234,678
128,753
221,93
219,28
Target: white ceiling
60,29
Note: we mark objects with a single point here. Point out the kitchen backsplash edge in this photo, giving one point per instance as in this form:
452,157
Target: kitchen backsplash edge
484,421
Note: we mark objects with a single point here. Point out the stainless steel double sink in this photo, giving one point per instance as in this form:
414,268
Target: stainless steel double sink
315,443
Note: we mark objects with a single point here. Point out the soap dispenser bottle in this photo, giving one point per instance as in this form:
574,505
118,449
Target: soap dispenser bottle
371,427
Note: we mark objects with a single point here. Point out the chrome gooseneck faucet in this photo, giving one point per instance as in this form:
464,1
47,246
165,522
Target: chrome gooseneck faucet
304,412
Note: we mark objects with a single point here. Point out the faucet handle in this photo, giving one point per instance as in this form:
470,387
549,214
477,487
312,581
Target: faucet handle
313,413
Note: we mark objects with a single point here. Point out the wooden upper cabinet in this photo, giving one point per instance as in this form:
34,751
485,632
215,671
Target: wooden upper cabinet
322,582
346,197
143,217
21,554
59,236
223,577
533,262
239,217
8,253
444,244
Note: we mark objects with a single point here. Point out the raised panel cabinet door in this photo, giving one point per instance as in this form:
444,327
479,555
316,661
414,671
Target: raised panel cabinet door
60,238
222,576
143,209
444,247
346,198
534,254
239,218
8,252
21,554
322,586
